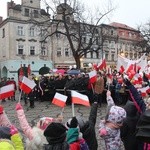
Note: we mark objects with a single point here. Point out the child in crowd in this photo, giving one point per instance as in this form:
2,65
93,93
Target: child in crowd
109,129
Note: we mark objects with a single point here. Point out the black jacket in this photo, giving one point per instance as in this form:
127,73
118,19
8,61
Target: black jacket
128,130
88,130
57,146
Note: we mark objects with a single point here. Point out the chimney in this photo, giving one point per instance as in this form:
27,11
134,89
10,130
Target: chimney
1,19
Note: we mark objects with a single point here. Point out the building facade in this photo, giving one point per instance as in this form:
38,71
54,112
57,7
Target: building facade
24,40
20,39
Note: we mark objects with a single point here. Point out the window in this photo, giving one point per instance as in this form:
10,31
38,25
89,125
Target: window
106,56
20,30
20,49
31,31
112,57
3,34
58,52
84,39
35,13
43,51
26,12
66,52
112,32
112,44
32,50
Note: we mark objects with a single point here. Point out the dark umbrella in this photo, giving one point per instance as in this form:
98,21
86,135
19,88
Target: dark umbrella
73,72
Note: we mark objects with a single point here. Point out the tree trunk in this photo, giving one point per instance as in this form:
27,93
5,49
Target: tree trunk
78,62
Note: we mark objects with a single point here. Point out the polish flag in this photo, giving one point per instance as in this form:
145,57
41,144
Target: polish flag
92,76
6,91
59,100
102,65
78,98
144,91
27,85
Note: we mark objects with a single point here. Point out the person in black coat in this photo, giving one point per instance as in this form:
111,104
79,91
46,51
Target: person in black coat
88,128
128,129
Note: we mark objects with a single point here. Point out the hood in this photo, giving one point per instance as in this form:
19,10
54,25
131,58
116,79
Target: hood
130,109
116,115
72,135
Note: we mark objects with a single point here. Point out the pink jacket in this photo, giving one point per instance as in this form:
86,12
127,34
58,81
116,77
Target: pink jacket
24,124
4,121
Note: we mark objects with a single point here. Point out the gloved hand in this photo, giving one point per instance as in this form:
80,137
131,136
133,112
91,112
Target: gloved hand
103,132
1,109
18,106
13,130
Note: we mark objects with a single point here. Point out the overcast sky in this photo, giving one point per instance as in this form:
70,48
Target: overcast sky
129,12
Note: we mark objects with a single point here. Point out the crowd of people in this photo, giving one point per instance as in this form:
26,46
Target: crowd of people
128,123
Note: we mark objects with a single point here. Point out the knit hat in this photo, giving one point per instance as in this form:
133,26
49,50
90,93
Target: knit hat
55,130
5,133
44,122
116,115
72,123
1,109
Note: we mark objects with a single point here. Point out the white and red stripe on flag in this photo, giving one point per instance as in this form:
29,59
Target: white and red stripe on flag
144,91
6,91
27,85
93,76
59,100
78,98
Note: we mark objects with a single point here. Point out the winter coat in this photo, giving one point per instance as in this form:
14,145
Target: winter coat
88,129
72,138
128,129
4,121
141,107
99,86
14,144
35,138
57,146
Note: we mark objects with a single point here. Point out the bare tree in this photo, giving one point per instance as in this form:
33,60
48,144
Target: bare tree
145,41
79,26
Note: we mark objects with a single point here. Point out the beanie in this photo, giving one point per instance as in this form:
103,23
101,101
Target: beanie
55,130
72,123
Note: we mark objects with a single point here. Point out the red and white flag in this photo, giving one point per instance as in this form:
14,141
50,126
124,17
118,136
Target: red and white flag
78,98
102,65
59,100
93,76
6,91
144,91
27,85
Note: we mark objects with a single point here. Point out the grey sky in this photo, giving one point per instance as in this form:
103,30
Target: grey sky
130,12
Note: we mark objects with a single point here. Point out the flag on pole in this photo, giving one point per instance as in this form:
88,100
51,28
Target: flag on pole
78,98
21,74
6,91
29,70
92,76
27,85
102,65
59,100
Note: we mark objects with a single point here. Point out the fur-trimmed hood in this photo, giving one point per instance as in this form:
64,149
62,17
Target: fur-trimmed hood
38,140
